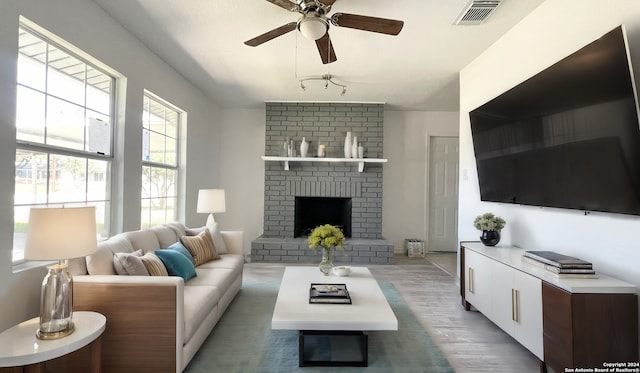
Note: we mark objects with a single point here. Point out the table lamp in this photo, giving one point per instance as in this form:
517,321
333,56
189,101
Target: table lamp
211,201
59,234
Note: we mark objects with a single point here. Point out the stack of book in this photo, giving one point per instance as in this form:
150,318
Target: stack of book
329,293
560,266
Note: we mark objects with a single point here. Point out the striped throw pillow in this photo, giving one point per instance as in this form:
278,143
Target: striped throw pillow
154,265
201,247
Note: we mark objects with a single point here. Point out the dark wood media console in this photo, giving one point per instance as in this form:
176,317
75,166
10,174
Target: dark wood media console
587,330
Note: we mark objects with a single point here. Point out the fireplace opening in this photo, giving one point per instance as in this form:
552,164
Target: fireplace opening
311,212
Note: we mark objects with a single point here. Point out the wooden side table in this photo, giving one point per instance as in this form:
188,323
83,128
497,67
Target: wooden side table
23,352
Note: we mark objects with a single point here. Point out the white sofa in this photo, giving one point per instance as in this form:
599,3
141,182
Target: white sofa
155,323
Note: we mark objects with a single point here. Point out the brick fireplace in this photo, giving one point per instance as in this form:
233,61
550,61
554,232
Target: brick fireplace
323,123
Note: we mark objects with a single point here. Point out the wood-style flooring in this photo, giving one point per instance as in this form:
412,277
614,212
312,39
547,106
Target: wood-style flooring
469,340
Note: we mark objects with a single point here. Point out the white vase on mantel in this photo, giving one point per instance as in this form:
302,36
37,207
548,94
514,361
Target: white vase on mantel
354,147
347,145
304,148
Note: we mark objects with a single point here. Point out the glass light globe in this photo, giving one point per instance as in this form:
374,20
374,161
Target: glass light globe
312,27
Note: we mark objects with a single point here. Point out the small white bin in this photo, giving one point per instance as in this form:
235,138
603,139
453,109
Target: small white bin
415,247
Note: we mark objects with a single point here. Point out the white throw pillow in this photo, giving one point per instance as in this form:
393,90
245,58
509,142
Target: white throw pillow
216,236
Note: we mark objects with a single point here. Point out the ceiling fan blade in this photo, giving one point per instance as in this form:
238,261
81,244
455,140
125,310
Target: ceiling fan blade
325,48
271,34
286,4
373,24
328,2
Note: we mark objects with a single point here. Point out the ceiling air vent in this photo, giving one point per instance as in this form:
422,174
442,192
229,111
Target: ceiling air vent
476,12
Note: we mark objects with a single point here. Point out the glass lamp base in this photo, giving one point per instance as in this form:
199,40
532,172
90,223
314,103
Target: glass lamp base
56,303
55,335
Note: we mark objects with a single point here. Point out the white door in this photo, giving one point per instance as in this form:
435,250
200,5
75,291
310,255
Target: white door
442,232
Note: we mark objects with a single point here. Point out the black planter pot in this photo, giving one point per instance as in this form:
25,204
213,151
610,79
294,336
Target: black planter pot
490,238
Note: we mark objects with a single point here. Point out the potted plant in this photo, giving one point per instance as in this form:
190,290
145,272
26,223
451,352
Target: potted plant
328,237
490,225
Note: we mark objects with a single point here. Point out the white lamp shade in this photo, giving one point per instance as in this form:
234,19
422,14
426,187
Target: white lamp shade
312,27
210,201
61,233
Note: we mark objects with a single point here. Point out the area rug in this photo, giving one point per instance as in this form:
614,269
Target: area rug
243,341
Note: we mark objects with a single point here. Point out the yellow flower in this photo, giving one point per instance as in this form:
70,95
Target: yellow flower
326,236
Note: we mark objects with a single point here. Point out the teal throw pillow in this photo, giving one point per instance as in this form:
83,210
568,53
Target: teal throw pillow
177,264
179,247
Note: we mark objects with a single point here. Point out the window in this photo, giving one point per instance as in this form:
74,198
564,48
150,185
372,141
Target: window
160,123
64,111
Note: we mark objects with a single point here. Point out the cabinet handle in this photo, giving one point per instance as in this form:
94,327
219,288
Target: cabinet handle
513,303
517,306
471,290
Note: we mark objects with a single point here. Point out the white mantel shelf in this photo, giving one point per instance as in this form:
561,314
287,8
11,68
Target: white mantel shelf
359,161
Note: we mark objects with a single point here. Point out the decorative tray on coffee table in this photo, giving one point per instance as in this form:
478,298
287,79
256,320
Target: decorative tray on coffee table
329,294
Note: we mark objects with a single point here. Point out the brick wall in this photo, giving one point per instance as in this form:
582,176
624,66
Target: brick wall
323,123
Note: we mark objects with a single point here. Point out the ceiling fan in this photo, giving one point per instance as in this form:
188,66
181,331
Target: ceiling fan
314,25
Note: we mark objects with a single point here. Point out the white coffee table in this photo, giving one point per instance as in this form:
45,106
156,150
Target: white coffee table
333,325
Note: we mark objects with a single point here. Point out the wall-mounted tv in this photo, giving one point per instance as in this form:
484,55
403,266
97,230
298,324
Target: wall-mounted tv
568,137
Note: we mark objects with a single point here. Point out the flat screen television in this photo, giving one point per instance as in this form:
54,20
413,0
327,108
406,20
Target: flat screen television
568,137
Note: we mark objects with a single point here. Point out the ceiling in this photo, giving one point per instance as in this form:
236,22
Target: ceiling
416,70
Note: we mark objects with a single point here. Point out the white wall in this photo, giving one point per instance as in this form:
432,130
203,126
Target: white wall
405,194
553,31
83,24
242,171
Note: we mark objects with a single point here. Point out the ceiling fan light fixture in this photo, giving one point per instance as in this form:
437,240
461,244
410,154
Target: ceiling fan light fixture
313,27
326,78
314,24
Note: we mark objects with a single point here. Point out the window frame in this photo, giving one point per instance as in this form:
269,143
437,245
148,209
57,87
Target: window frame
162,166
49,150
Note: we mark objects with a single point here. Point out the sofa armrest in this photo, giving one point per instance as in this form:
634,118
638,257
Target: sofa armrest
151,281
234,241
144,314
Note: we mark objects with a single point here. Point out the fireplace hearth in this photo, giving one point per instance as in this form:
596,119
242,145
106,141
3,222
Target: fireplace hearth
311,212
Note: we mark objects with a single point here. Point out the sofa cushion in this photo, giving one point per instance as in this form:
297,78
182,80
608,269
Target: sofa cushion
219,277
177,264
178,228
77,266
145,240
199,302
154,265
201,247
228,261
165,235
101,262
130,264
